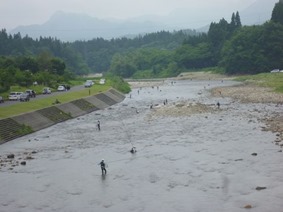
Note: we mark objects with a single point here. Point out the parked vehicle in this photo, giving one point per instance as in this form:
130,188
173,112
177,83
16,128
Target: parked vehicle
61,88
46,91
31,93
87,84
14,96
1,99
68,87
90,81
24,97
275,71
102,81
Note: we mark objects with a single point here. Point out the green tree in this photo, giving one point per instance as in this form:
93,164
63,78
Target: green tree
238,20
6,78
23,78
122,66
254,49
44,61
57,66
27,63
45,78
194,57
277,13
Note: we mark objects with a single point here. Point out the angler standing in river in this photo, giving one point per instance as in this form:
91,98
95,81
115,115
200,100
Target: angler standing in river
103,165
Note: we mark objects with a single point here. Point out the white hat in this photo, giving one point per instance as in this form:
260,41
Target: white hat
102,159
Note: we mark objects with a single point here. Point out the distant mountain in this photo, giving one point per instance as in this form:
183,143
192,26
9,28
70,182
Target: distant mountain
71,27
258,13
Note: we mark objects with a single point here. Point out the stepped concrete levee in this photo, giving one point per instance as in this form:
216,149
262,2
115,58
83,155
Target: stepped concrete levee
111,95
14,127
97,102
10,129
117,93
103,97
34,119
71,109
85,105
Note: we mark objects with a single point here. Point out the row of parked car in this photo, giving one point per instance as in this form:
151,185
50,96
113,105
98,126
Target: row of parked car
22,96
90,83
25,96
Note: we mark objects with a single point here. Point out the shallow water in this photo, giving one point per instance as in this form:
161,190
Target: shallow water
201,162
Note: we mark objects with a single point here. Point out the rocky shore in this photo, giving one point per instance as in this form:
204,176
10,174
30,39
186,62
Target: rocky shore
249,93
244,93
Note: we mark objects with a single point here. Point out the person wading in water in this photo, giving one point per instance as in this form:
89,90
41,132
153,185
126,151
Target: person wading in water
103,165
98,125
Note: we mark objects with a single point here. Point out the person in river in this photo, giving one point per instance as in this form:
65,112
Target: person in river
133,150
98,125
103,165
218,104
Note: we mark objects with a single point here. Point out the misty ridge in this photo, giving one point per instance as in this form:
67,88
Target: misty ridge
72,26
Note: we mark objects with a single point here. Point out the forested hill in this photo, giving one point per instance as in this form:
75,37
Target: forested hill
228,45
82,57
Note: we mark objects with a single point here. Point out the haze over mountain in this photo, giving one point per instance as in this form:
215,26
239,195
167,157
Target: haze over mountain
259,12
74,26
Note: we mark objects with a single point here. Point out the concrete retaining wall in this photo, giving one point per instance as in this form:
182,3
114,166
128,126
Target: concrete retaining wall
30,122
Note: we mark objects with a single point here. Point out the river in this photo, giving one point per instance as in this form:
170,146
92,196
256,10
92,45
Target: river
218,161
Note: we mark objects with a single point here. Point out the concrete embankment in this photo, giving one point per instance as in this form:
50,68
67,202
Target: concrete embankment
17,126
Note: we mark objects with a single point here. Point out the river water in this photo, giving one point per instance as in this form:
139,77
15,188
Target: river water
198,162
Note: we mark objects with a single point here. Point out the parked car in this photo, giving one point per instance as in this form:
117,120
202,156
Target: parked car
87,84
1,99
24,97
102,81
275,71
46,91
90,81
61,88
31,93
15,96
68,87
65,87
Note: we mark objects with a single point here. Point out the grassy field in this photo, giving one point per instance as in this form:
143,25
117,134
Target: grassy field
37,104
272,80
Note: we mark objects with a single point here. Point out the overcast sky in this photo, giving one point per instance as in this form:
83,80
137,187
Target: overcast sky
25,12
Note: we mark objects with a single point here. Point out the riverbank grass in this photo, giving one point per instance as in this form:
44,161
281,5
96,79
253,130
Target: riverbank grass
36,104
272,80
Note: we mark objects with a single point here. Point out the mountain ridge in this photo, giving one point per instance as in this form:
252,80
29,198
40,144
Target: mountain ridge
76,26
